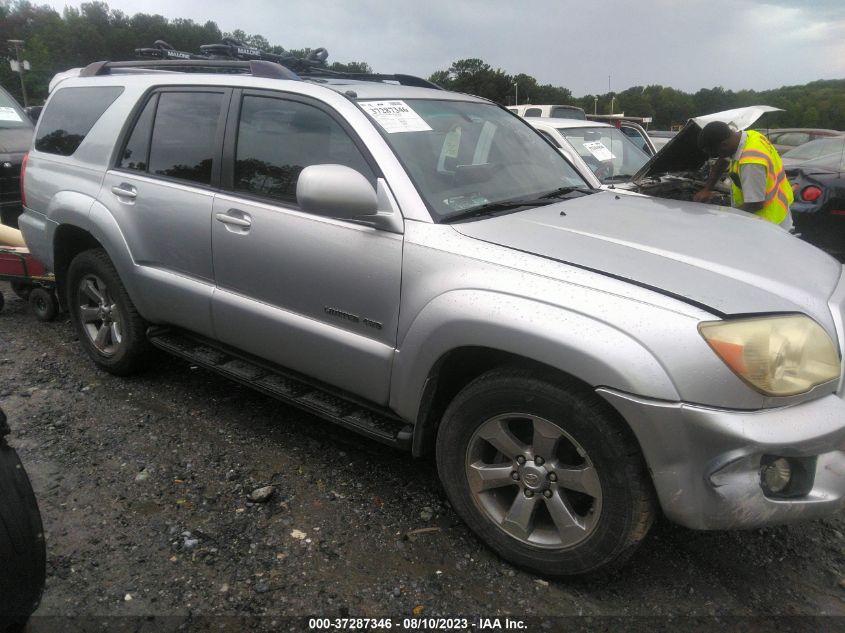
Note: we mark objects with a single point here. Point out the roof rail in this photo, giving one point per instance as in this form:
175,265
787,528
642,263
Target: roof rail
256,68
403,80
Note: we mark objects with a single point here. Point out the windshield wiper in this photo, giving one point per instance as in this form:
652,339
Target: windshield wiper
495,207
619,177
563,192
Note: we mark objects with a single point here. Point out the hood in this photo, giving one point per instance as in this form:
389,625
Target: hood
15,140
681,153
719,259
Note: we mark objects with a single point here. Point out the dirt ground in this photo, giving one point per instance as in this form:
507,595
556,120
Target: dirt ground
143,485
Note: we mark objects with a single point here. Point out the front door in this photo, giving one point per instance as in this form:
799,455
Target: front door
311,293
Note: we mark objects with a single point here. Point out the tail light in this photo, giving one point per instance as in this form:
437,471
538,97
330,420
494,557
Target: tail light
23,171
811,193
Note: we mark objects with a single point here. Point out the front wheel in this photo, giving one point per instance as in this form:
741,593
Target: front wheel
544,473
109,327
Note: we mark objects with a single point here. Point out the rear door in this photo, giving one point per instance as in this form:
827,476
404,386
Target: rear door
161,193
312,293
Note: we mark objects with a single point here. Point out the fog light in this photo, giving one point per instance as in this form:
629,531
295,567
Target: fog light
777,474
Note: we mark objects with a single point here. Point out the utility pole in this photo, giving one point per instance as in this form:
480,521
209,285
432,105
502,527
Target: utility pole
17,44
516,96
595,105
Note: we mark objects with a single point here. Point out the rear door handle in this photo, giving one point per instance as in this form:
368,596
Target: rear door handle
124,190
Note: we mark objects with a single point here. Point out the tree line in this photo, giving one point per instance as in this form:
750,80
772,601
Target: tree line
54,42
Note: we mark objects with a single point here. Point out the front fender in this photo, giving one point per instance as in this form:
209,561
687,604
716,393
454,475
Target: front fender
594,351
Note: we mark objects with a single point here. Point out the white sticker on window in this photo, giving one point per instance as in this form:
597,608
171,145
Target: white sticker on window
9,114
395,116
599,150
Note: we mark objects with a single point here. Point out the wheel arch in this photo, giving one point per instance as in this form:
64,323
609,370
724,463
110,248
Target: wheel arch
455,339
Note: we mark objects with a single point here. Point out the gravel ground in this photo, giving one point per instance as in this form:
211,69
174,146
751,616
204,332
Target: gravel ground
144,487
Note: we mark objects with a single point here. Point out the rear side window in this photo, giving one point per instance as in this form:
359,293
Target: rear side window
533,112
185,135
71,115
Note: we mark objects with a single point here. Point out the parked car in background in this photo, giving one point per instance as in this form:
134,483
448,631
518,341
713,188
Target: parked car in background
659,138
812,150
784,139
15,138
819,207
555,111
603,149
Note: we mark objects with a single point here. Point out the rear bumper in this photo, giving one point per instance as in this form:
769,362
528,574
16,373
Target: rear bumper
706,463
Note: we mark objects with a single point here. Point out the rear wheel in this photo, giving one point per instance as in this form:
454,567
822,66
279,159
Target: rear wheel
109,327
544,473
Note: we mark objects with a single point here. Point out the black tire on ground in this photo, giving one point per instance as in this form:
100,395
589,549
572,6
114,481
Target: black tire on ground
44,304
22,549
2,301
116,339
21,289
581,508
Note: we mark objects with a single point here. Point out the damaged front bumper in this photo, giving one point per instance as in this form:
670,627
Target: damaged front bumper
707,464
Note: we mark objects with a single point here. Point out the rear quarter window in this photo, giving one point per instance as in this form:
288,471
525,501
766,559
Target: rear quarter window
71,115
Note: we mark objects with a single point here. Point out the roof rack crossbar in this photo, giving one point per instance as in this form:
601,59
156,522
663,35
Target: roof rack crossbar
257,68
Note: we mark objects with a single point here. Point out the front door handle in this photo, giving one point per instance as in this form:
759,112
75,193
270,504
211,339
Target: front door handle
124,190
225,218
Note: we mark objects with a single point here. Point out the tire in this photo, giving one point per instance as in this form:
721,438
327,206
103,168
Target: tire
44,304
21,289
2,301
23,553
108,325
582,508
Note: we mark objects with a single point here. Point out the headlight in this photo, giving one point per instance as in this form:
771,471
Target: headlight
778,356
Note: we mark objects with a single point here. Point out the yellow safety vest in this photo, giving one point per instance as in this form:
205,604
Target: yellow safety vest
758,150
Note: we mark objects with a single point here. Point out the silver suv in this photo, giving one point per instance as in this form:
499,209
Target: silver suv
425,268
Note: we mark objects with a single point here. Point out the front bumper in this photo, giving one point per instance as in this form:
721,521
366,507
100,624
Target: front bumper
706,463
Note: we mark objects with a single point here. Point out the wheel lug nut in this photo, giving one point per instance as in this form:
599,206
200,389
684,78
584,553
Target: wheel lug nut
520,459
529,493
552,477
515,476
539,460
547,494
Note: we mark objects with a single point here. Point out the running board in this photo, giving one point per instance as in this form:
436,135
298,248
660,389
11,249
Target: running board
381,426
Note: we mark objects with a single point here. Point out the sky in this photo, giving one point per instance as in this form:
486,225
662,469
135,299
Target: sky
589,47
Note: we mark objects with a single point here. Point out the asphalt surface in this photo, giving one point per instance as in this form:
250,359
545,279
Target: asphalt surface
144,488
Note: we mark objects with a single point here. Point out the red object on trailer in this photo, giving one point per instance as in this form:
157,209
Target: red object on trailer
30,281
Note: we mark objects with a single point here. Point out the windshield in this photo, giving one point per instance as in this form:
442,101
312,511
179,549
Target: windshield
815,149
464,156
611,155
11,115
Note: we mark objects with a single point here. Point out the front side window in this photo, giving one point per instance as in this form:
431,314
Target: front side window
185,135
71,114
464,155
278,138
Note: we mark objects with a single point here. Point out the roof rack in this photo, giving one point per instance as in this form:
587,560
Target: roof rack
232,56
256,68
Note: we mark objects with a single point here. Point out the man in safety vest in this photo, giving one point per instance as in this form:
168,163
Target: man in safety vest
758,182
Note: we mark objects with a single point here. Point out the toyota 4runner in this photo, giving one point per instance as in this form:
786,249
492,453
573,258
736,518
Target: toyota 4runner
425,268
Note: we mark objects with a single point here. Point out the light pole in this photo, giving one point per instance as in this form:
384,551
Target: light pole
595,105
516,91
17,44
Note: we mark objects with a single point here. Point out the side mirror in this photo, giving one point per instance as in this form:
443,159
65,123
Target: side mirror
335,191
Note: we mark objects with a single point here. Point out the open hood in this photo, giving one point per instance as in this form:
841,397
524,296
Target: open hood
681,153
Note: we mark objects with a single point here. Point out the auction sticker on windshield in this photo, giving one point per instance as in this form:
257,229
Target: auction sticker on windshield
395,116
9,114
599,150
